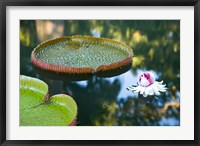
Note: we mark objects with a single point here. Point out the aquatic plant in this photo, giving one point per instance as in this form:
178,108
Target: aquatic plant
80,57
147,85
38,109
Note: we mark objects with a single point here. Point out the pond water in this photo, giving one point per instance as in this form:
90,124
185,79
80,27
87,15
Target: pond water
106,101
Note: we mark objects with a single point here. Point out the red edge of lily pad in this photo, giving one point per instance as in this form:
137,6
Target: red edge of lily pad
73,123
58,69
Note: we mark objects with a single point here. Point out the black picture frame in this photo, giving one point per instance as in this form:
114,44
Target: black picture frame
5,3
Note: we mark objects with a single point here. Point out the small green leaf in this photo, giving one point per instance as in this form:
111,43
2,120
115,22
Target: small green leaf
59,110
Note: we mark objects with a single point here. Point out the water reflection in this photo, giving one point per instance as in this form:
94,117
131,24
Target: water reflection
105,101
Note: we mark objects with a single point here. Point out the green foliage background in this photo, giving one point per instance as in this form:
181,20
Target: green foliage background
156,45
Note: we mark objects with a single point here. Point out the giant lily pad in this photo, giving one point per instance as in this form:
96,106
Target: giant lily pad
37,109
80,57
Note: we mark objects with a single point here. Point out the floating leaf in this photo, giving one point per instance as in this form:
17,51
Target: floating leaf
80,57
32,92
37,110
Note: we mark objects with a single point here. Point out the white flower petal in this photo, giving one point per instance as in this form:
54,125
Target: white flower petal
155,89
159,82
151,92
148,89
138,89
131,87
144,82
142,90
157,93
160,87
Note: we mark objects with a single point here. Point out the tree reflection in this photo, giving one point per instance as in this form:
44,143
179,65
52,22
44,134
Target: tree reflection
156,45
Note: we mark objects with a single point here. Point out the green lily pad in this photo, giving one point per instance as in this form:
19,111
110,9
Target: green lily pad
37,109
82,56
32,92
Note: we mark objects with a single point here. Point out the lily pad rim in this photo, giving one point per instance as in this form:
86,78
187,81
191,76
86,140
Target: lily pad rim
74,70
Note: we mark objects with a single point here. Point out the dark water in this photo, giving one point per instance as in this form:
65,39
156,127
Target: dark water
105,101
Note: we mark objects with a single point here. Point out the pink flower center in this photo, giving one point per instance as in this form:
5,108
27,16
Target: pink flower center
146,79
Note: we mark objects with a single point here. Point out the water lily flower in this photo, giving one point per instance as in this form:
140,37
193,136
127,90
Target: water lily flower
147,85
